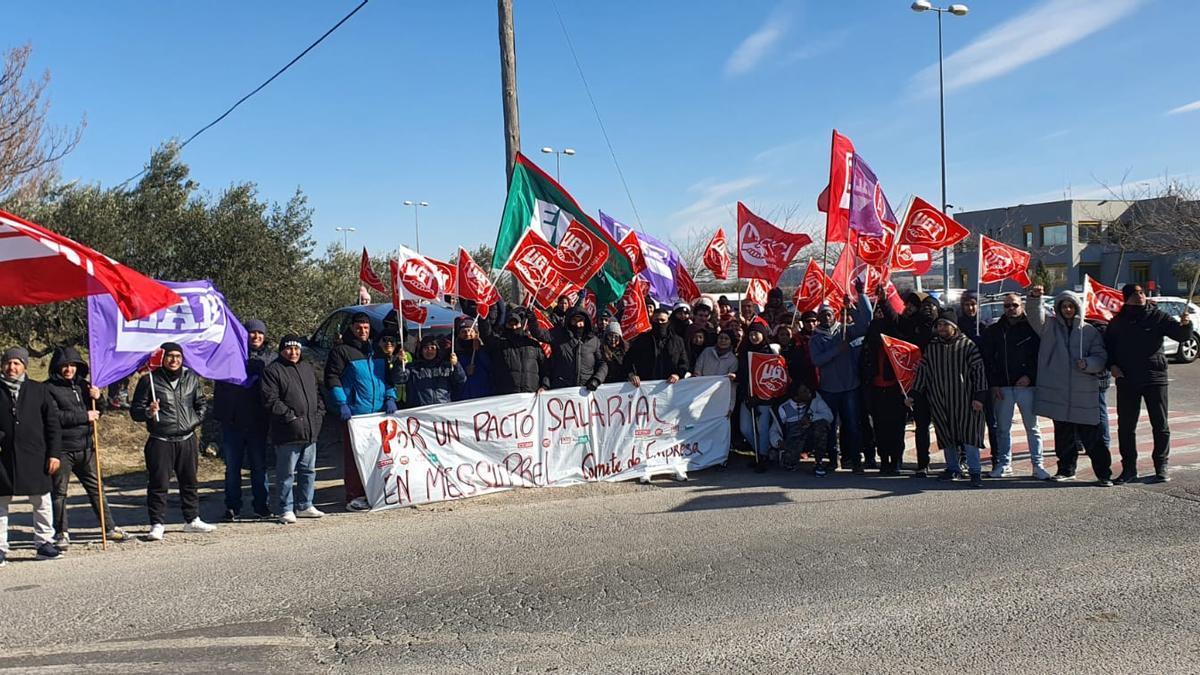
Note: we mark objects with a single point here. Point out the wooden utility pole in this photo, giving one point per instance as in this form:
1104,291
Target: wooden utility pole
508,85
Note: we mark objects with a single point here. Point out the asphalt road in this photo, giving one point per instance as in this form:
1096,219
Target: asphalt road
730,572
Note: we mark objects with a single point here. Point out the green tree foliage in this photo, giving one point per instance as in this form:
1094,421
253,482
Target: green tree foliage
259,255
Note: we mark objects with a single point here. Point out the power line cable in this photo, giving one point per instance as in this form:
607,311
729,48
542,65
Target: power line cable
260,87
596,110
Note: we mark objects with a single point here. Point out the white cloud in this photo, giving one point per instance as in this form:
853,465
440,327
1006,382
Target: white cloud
1037,33
1191,107
757,45
714,203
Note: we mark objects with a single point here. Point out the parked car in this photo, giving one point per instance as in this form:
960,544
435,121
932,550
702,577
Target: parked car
1186,351
992,308
440,321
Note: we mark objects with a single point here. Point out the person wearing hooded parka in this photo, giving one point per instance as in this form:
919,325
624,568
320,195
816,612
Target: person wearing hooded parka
1071,359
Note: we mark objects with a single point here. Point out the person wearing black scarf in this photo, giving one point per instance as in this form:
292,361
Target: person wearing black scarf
658,354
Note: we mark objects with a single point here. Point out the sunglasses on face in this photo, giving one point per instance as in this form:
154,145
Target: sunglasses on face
1010,305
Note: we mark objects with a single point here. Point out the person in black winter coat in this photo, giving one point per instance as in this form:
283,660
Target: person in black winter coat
916,326
30,447
613,350
883,397
518,361
77,413
239,409
170,401
1010,353
295,411
1134,342
433,375
575,359
658,354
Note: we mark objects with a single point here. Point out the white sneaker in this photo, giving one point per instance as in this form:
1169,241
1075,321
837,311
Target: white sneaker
156,532
1041,474
199,526
287,518
310,512
1000,472
359,504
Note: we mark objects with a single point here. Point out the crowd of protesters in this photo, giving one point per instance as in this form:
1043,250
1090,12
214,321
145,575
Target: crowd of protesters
844,408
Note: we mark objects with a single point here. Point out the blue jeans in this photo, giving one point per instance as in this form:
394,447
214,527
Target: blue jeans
972,452
756,428
1005,409
295,472
245,449
846,416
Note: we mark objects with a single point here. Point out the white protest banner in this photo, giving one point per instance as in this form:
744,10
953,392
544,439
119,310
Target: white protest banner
556,438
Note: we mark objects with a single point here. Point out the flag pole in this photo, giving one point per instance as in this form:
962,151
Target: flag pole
979,283
100,476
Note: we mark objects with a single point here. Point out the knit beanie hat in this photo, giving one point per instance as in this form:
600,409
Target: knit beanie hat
256,326
169,347
19,353
291,340
613,328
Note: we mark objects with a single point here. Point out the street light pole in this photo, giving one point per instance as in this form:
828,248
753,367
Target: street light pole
558,159
956,10
416,207
346,236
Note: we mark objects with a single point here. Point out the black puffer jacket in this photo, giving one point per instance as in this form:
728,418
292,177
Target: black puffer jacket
517,360
72,398
181,404
240,407
1010,352
575,358
1134,343
655,356
292,402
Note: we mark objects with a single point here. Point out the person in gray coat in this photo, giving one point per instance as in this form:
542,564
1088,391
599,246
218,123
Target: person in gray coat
1071,359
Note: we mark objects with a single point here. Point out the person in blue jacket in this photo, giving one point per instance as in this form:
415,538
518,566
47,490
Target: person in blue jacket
476,361
835,347
356,377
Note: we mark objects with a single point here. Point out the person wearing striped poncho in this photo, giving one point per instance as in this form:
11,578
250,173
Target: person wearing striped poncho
953,379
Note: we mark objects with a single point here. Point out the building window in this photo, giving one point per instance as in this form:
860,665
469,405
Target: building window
1027,235
962,277
1089,231
1090,269
1139,273
1057,275
1054,235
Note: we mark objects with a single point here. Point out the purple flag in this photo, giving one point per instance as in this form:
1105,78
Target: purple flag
213,340
661,259
868,205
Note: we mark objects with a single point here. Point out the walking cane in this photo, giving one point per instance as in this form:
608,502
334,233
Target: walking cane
99,479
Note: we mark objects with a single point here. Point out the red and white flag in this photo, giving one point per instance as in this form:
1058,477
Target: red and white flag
911,258
816,288
447,276
716,255
998,262
765,251
154,362
929,227
1101,302
633,250
684,285
904,357
589,304
635,320
38,266
542,321
768,376
756,292
580,254
418,275
408,309
474,284
535,266
835,199
368,276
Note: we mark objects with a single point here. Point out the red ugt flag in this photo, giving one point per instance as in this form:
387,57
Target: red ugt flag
765,251
815,288
684,285
1000,261
635,320
633,250
835,199
716,256
768,376
418,275
535,266
757,291
1101,302
904,357
474,284
368,276
929,227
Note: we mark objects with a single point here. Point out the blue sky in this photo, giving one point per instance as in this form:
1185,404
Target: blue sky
705,103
